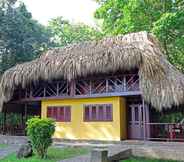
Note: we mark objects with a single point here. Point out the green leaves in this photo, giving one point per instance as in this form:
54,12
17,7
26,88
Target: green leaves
40,132
64,32
21,38
169,29
164,18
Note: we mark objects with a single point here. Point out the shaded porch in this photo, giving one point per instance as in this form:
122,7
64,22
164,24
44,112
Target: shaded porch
14,117
145,123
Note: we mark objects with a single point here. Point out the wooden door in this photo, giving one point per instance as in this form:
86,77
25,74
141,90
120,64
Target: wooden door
138,116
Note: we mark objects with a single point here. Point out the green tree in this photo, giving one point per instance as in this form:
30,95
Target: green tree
162,17
21,38
40,133
65,33
169,29
124,16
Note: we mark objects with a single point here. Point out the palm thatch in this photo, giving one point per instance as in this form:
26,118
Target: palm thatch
161,84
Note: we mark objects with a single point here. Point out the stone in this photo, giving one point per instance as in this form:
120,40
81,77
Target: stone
99,155
25,151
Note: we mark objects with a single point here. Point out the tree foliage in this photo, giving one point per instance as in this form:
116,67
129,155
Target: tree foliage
162,17
64,32
21,38
169,29
40,133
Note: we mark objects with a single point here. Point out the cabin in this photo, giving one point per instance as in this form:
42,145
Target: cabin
117,88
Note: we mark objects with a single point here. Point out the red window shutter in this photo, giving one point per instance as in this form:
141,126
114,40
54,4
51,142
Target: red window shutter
67,114
94,113
98,112
54,113
49,111
62,114
108,112
86,113
59,118
101,112
57,113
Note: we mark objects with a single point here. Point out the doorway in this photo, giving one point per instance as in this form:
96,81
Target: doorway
138,116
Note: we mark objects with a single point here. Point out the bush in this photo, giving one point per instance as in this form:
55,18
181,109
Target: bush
40,133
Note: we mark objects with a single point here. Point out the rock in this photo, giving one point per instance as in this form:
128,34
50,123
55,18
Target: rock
99,155
24,151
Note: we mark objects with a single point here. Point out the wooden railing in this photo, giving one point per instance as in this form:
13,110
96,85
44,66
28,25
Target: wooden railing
166,131
115,85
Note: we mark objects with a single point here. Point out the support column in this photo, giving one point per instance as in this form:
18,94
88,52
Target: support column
144,119
22,117
72,90
25,111
4,121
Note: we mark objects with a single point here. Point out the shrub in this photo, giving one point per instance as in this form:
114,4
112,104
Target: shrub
40,133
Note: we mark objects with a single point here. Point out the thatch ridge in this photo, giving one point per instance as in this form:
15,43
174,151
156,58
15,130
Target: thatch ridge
161,83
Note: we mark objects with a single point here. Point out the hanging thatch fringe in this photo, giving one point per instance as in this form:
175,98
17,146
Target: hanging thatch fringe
161,84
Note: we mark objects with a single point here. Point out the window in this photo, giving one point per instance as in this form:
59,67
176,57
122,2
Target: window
59,113
98,112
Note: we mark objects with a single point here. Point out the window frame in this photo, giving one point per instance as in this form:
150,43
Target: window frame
57,118
98,117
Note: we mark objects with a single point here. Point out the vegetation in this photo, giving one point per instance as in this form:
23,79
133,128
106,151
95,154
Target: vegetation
64,32
136,159
173,117
21,38
164,18
3,146
40,133
54,155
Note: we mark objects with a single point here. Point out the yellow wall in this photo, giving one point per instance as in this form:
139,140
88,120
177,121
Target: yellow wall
78,129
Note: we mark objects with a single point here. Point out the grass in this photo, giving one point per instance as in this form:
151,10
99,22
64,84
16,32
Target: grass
138,159
3,145
54,155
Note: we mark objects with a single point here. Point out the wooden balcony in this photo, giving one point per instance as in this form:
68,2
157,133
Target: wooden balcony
122,85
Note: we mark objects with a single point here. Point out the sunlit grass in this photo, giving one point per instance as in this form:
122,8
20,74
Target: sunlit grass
54,155
3,146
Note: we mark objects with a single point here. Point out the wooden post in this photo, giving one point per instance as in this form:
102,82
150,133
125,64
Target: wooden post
124,83
57,88
4,121
25,111
44,91
106,85
22,117
90,87
72,90
144,119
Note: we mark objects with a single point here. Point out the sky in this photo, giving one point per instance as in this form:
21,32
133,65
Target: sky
73,10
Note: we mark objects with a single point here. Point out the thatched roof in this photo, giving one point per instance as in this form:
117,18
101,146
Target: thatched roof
161,84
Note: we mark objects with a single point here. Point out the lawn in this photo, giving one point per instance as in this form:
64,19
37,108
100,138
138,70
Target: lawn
54,155
3,146
137,159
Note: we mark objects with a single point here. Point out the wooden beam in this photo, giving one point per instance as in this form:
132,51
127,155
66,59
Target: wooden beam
131,93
